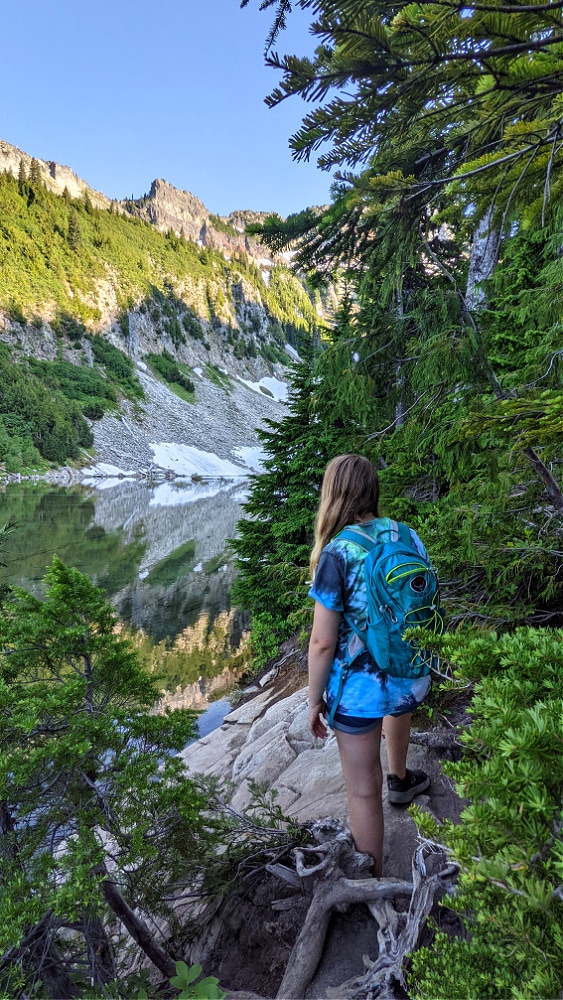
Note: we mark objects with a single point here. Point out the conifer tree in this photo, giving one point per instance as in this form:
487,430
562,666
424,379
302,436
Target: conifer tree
73,234
97,816
35,173
274,541
22,177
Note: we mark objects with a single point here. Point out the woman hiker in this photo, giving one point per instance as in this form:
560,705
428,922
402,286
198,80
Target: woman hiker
371,699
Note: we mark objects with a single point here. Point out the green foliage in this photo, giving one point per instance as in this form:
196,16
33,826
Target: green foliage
119,367
509,839
65,325
268,632
274,541
223,227
36,421
86,768
85,385
171,371
74,236
185,981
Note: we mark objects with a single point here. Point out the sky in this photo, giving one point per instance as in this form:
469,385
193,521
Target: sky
125,92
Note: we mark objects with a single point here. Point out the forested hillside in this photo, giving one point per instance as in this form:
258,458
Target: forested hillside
86,292
444,368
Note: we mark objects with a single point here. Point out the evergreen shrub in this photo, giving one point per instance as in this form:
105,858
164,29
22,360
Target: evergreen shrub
118,366
167,367
42,420
509,841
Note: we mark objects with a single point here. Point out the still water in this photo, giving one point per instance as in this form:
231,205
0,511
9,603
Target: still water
162,557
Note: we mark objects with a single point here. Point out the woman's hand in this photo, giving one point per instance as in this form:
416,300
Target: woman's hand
317,724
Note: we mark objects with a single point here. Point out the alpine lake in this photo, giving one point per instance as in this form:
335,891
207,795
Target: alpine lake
161,555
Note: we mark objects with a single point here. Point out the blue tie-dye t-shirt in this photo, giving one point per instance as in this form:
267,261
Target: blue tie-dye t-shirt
339,585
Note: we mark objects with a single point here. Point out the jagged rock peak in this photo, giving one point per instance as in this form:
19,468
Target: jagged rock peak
166,207
54,176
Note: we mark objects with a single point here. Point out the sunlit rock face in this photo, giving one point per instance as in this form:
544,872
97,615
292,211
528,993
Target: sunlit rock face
169,208
54,176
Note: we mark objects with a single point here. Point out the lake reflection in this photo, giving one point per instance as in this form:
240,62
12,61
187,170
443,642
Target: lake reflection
161,556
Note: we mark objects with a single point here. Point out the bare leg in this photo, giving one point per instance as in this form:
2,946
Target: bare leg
397,733
361,765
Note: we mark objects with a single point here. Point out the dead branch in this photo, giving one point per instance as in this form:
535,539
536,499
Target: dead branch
387,968
327,897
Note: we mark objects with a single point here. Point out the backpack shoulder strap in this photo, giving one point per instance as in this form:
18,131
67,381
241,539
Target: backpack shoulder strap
404,533
358,536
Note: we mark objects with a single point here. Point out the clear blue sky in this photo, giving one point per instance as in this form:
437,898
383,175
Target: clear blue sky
123,92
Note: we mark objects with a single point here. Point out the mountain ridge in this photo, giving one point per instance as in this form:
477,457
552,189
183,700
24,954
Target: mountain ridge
182,293
165,206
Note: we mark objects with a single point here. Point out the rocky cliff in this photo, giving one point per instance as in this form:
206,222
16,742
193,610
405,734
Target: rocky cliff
167,208
54,176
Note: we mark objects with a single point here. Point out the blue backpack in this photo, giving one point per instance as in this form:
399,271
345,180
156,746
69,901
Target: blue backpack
402,592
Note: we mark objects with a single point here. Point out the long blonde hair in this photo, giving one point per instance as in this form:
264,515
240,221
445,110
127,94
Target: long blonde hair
350,492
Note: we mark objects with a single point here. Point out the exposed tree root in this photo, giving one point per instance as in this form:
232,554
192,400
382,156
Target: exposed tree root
334,873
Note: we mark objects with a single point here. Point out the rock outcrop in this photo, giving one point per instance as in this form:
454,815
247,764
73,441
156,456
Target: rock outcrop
168,208
54,176
266,740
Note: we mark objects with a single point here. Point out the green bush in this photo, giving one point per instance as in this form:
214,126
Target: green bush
509,840
17,451
168,369
268,633
192,325
41,417
118,366
65,325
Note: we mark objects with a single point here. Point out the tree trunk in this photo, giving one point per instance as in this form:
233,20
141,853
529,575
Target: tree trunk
327,897
100,952
482,262
138,929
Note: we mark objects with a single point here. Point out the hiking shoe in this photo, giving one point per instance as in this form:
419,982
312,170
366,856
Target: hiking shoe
400,791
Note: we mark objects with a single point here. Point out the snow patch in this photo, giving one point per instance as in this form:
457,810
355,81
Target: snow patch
198,371
277,388
185,460
292,352
253,458
177,495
